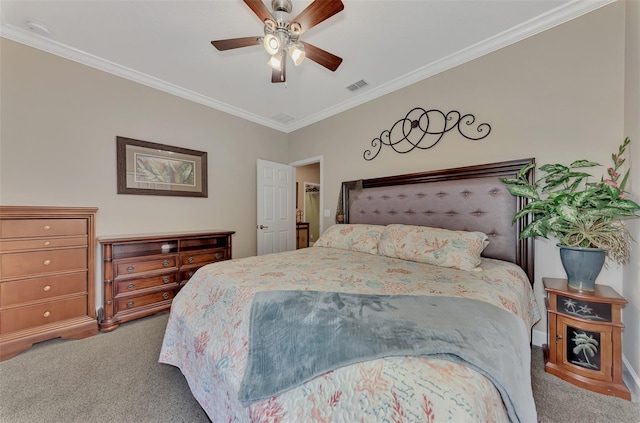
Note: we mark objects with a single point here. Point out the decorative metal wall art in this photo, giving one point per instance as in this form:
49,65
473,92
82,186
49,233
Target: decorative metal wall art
424,129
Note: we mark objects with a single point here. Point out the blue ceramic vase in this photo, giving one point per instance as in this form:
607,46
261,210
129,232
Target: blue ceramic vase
582,265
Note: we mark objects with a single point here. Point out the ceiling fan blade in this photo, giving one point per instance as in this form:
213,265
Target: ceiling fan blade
259,9
322,57
232,43
317,12
280,75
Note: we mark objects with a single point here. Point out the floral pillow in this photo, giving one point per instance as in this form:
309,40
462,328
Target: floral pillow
440,247
352,237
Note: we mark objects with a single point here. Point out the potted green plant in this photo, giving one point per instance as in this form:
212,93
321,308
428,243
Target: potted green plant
586,217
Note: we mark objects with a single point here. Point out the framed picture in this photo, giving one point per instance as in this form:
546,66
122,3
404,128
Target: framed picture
150,168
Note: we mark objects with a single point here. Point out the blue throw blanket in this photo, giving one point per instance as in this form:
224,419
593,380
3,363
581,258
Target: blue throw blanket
298,335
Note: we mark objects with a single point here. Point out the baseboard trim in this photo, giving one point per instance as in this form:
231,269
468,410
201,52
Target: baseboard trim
631,379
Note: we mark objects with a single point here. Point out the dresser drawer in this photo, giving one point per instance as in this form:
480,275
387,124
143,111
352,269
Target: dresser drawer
131,302
185,275
203,258
132,285
42,243
132,267
20,318
42,262
23,228
38,289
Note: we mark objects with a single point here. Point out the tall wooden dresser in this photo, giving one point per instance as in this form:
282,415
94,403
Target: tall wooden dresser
47,275
142,273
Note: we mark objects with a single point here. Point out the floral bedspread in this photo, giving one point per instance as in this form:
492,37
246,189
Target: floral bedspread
207,338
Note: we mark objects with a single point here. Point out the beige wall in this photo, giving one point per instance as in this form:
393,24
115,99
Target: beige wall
557,97
58,148
631,275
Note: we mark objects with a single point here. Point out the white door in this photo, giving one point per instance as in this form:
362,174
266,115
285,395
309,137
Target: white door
276,221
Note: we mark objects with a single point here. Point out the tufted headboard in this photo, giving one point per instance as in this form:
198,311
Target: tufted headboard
468,198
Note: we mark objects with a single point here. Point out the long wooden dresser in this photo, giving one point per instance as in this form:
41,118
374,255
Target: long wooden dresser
47,275
143,273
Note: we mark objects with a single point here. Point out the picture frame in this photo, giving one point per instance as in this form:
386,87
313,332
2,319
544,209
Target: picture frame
149,168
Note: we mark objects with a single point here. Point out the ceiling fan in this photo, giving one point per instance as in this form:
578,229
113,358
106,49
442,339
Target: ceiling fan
282,36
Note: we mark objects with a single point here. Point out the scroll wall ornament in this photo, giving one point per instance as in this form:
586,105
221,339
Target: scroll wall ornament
424,129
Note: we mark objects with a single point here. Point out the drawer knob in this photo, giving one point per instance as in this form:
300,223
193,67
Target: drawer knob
165,279
46,262
130,269
165,295
47,288
130,304
218,256
190,260
46,314
131,286
46,227
47,243
165,263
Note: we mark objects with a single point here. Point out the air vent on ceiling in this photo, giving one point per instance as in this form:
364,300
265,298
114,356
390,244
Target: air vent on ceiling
283,117
357,85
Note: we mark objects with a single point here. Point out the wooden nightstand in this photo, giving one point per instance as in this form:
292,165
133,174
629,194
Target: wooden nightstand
585,340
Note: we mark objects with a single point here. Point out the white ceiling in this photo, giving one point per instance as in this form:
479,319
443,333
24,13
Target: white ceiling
389,44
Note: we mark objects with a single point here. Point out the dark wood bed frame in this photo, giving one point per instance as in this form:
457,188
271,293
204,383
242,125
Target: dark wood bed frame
470,198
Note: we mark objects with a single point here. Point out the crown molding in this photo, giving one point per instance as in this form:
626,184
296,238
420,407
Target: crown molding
555,17
527,29
50,46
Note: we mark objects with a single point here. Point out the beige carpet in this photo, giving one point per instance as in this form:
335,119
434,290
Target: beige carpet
115,377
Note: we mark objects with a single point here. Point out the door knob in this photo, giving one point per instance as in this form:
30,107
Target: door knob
263,227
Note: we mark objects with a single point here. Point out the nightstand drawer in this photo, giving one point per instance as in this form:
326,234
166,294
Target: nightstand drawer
130,267
16,319
28,290
23,228
43,262
132,285
581,309
132,302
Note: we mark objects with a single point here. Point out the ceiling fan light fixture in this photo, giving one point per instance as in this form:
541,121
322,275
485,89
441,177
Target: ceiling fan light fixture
275,62
270,25
282,34
295,28
297,54
271,44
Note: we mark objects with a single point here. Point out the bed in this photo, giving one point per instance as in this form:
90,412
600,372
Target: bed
214,325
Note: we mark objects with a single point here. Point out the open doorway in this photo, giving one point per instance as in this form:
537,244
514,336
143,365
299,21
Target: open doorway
309,200
311,210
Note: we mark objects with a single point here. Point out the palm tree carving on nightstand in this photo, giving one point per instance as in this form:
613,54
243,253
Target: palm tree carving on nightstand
582,310
586,345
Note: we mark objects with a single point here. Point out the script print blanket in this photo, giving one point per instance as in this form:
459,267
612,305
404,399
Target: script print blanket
298,335
208,331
